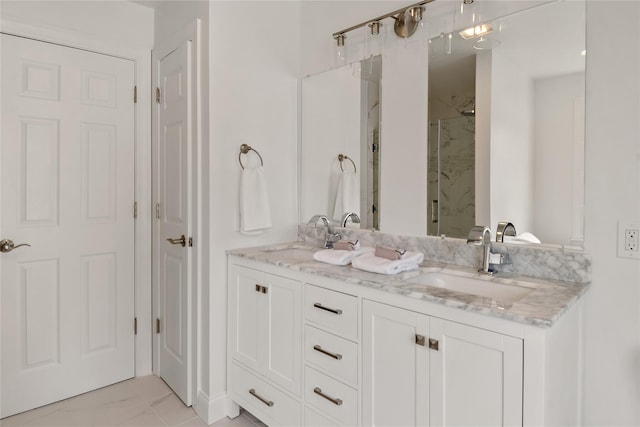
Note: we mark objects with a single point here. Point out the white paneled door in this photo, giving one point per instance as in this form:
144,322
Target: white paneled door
173,243
67,189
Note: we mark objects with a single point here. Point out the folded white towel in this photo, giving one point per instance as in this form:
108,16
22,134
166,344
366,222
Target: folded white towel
255,213
340,256
370,262
347,195
525,237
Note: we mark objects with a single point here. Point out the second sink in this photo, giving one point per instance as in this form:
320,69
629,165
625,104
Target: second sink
469,285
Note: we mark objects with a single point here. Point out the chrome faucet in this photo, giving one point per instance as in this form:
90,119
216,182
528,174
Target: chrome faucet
330,236
354,218
481,235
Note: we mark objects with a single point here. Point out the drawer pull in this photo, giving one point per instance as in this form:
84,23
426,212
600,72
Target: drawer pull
318,391
253,393
332,310
336,356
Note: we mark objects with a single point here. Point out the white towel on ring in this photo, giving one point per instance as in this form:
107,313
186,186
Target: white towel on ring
339,256
347,195
255,212
370,262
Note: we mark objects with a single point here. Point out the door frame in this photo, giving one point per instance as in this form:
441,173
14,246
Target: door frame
142,130
190,33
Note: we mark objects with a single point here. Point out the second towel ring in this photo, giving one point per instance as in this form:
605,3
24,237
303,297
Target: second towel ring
244,149
342,157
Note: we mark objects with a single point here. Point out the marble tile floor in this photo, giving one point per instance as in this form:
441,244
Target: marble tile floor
138,402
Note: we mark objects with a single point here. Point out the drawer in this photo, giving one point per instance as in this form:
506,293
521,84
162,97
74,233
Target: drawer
262,399
331,397
313,418
336,355
332,310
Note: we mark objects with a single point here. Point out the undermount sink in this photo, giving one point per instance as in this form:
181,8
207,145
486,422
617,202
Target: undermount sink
292,252
469,285
287,247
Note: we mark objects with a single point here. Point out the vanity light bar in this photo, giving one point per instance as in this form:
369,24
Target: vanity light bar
380,18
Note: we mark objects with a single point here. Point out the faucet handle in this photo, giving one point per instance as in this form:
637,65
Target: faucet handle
478,234
331,239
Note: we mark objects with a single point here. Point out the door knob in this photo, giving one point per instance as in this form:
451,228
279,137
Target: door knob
181,241
7,245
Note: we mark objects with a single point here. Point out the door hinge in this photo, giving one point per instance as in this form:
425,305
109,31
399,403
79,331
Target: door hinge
158,95
157,326
135,94
135,326
135,210
157,210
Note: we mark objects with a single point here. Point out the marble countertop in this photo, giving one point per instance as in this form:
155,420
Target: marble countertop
541,306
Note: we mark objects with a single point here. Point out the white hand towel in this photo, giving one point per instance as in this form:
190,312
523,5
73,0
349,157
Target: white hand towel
255,213
525,237
370,262
347,195
339,256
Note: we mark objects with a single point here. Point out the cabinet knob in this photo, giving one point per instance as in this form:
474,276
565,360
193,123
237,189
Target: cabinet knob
433,344
420,340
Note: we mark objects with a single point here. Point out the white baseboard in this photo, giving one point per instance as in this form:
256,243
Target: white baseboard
211,409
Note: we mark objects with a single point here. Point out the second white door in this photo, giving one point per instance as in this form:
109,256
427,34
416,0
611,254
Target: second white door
173,223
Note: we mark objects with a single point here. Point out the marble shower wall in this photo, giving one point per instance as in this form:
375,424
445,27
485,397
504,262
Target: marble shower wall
542,262
452,166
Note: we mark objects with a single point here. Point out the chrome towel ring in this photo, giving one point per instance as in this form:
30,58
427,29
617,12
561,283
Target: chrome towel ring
342,157
244,149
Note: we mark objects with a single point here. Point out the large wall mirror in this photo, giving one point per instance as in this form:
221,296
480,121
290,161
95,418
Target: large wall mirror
505,128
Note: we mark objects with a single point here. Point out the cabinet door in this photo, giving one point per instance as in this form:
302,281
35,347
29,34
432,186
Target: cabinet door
395,377
282,338
476,376
244,312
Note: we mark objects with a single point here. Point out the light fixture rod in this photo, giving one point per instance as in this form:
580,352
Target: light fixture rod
380,18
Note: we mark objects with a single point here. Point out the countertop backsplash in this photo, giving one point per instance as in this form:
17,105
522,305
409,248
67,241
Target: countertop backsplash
568,265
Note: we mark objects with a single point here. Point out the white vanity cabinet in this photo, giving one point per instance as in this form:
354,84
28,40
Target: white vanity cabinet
265,344
319,350
422,370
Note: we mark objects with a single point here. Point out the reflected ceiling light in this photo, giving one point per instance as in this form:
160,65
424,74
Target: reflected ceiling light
477,31
583,53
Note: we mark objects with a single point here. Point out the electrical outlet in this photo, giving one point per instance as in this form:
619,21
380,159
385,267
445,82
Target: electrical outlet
628,240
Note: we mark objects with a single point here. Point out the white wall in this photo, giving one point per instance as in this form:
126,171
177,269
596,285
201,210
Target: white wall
115,22
612,374
255,57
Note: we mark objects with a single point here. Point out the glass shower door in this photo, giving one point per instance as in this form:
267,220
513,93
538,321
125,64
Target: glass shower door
451,176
